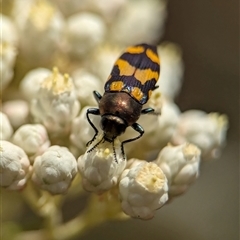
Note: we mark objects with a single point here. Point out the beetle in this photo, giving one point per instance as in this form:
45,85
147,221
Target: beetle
128,87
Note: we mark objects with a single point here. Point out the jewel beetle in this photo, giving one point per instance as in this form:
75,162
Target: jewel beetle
128,87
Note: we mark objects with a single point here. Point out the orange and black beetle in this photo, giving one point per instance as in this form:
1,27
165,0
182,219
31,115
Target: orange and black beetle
129,86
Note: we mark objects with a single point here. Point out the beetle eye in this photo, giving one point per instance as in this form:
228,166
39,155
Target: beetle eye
103,123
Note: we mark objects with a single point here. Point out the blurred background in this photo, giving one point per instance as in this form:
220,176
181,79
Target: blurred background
208,34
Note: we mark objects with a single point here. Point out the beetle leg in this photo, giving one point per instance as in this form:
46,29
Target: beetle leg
147,110
151,111
138,128
102,140
114,151
97,96
94,111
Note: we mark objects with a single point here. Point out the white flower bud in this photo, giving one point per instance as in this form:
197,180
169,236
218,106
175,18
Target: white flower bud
32,81
41,28
54,170
6,129
171,70
14,166
85,83
133,162
104,58
143,189
107,9
81,130
8,51
56,104
17,111
7,60
207,131
158,129
139,21
8,31
101,165
180,164
32,138
84,32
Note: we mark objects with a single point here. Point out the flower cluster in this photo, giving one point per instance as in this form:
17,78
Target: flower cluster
44,129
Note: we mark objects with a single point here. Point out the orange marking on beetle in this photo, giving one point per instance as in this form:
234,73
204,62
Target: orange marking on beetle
116,86
137,93
135,49
125,68
153,56
143,75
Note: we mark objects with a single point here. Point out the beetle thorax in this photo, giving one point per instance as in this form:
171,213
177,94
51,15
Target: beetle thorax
121,105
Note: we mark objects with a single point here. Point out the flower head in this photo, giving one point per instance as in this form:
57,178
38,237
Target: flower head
180,164
138,18
31,83
207,131
56,103
38,22
54,170
85,82
159,129
6,129
17,112
14,166
32,138
170,81
84,32
143,189
101,165
8,50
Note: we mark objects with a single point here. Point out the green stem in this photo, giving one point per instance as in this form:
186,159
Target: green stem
46,206
31,196
99,210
